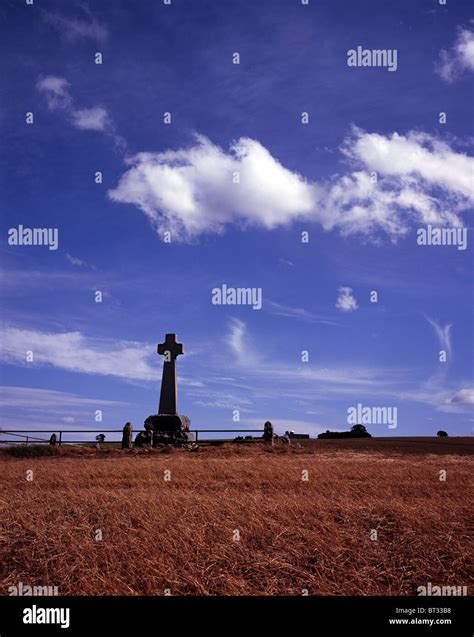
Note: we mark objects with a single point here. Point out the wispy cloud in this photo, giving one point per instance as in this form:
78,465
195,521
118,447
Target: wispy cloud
270,379
37,408
34,398
251,362
436,394
462,399
459,59
443,334
74,29
56,91
346,301
74,352
280,309
241,344
226,400
80,263
286,262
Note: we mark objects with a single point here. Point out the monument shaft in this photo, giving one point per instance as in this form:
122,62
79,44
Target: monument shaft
169,389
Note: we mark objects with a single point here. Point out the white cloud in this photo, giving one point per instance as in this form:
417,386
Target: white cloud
192,191
420,179
79,263
34,398
459,58
298,313
415,160
240,343
74,29
74,352
36,408
464,398
443,334
236,336
346,301
75,261
95,118
223,400
250,361
56,92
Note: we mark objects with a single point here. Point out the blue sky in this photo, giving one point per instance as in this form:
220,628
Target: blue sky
365,123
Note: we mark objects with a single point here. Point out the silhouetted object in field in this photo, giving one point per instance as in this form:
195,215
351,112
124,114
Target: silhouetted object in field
357,431
294,436
442,434
143,439
53,441
127,436
268,431
100,438
167,427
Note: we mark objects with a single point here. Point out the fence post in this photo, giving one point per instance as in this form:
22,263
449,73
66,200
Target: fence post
197,436
60,438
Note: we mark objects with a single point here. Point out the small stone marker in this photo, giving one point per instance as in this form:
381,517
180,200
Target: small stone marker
268,431
127,436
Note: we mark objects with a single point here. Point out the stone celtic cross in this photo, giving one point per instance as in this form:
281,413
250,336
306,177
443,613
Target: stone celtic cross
170,349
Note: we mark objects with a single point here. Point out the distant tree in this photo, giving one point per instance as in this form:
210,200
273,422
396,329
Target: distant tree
359,429
441,433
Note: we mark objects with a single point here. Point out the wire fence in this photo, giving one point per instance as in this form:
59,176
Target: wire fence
26,439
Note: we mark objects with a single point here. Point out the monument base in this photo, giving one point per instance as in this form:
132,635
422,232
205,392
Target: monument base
167,429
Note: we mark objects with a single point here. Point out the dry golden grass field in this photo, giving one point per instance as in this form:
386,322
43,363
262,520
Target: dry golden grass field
240,519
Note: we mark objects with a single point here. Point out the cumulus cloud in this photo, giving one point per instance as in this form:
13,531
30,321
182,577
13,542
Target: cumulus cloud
414,159
74,29
397,180
194,191
346,301
460,58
